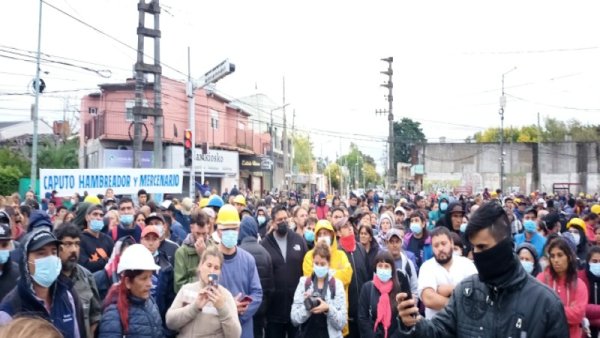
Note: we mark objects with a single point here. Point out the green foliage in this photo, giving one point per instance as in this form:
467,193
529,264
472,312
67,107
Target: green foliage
9,179
359,166
407,133
552,131
372,178
303,157
333,173
59,156
15,159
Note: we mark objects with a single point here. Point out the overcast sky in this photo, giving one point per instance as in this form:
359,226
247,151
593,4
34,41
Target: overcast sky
449,57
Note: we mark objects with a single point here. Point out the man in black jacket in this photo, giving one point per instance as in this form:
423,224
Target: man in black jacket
248,240
287,250
502,301
9,270
357,255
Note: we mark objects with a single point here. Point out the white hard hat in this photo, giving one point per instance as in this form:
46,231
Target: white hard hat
137,257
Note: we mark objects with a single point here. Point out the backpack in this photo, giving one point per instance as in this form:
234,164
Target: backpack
331,285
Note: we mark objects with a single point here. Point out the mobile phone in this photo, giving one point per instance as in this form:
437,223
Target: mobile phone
404,283
246,299
213,279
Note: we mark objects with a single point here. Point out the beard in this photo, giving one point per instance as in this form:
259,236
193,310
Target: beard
444,257
70,264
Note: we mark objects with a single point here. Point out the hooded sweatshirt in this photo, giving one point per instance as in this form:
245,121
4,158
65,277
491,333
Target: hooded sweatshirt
339,263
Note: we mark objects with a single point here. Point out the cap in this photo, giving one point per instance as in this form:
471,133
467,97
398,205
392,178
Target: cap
5,232
4,217
155,215
92,199
457,208
393,232
595,209
150,229
210,212
541,201
186,206
39,239
401,209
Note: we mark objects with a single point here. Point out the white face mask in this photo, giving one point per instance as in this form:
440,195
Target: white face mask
325,239
576,237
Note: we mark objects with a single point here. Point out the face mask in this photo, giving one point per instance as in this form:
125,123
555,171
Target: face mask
47,270
576,238
261,220
229,238
96,225
495,262
126,219
595,269
4,254
416,228
384,275
443,206
282,228
309,235
530,226
325,239
528,266
320,271
161,230
463,227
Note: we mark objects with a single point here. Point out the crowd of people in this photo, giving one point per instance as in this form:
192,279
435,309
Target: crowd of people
425,265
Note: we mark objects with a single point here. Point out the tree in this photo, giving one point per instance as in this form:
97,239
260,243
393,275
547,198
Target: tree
407,133
355,161
371,176
9,179
303,157
59,155
552,131
333,172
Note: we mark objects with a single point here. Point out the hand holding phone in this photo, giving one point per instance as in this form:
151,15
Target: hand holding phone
213,279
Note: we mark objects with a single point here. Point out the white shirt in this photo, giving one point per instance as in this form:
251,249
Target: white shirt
432,275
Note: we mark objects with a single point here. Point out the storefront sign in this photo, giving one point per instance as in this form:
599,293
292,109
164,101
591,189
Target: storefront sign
255,163
217,161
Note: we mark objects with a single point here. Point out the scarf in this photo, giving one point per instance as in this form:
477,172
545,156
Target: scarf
384,308
348,243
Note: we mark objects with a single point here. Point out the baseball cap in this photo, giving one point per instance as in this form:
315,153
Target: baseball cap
155,215
40,238
394,232
5,232
150,229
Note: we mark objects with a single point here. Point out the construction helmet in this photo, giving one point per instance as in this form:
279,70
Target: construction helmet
203,202
596,209
137,257
228,216
239,199
578,222
215,201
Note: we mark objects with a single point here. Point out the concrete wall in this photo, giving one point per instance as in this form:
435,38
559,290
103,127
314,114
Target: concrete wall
528,167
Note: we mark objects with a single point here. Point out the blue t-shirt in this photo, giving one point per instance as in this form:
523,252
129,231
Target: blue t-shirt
537,240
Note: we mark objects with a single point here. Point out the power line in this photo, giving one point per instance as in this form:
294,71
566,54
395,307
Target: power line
552,105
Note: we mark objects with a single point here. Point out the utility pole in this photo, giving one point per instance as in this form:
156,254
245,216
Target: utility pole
390,98
36,110
273,136
192,120
502,106
285,140
141,69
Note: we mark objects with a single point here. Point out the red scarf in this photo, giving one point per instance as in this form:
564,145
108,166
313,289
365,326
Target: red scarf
348,243
384,308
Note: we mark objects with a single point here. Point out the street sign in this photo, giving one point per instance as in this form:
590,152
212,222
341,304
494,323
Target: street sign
218,72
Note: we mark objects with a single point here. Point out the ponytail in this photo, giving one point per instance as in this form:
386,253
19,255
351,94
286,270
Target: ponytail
120,293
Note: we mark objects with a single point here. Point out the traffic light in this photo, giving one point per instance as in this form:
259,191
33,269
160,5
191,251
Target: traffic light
188,145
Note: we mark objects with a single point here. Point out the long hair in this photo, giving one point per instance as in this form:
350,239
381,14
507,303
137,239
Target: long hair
386,257
120,292
571,276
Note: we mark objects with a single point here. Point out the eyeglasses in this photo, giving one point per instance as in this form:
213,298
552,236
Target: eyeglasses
69,245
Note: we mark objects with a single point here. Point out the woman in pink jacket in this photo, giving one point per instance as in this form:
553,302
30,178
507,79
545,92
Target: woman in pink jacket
561,276
591,277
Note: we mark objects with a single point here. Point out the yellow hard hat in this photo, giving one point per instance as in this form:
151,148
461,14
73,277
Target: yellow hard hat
203,202
240,200
228,217
92,199
596,209
577,221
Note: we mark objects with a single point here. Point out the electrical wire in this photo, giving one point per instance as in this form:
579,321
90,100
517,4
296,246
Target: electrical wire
552,105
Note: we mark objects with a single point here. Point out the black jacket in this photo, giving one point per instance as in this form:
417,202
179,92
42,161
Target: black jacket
371,255
367,313
9,277
359,261
286,273
521,304
169,247
264,265
95,252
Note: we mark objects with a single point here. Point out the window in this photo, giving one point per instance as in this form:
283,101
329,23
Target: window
129,104
214,119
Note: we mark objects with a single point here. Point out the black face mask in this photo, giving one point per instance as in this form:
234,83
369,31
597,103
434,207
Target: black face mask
495,264
282,228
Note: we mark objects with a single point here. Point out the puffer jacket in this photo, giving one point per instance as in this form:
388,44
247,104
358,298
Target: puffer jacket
339,263
476,309
144,320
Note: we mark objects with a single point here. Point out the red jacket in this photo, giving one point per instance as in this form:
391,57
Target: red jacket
574,300
322,211
592,310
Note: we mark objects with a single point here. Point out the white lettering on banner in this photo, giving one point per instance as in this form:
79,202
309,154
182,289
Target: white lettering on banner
122,180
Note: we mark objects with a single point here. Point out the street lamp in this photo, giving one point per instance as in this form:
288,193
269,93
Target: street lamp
502,105
273,145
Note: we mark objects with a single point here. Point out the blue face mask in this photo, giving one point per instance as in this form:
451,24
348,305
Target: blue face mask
443,206
261,220
4,254
320,271
126,219
530,226
415,228
528,266
229,238
47,270
463,227
96,225
595,269
309,235
384,275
